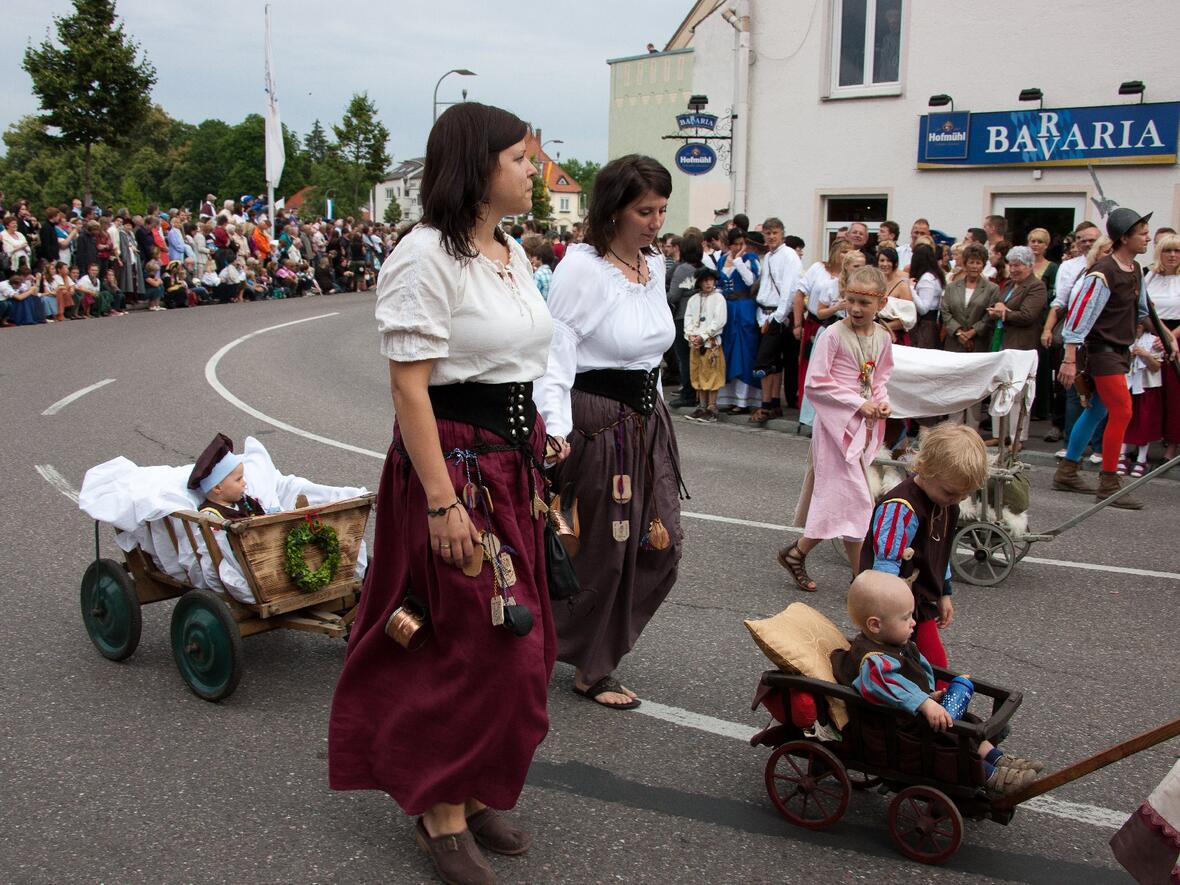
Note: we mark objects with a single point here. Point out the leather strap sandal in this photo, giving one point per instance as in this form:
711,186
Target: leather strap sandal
760,416
794,560
602,686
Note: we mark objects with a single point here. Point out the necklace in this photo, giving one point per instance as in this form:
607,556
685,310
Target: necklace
640,276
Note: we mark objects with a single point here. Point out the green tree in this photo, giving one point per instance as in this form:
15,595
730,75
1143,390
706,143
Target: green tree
583,173
360,146
94,88
393,212
316,143
542,206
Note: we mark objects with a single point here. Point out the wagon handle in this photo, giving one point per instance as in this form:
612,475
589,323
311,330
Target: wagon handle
1087,766
1106,502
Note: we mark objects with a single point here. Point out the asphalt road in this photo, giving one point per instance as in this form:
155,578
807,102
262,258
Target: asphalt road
116,773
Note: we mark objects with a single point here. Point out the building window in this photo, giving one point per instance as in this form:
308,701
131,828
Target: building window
841,211
565,204
399,190
389,193
866,48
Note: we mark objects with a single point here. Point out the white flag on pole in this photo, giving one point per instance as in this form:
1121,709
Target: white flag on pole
275,156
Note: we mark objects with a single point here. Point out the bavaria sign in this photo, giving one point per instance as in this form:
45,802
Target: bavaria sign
1108,135
695,158
697,121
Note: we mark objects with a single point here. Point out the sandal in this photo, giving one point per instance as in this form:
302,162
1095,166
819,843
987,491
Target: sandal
794,560
1124,466
1138,469
760,416
602,686
737,410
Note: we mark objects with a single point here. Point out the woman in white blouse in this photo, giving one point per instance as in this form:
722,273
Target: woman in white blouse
1163,287
448,726
16,246
611,328
929,281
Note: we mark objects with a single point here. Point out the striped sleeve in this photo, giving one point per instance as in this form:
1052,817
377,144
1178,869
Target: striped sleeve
894,527
1084,309
880,682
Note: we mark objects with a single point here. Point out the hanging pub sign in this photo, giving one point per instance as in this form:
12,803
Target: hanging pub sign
697,121
1111,135
695,158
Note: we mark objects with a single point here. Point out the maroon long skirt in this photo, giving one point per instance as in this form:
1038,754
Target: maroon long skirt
461,716
1147,418
1171,406
622,582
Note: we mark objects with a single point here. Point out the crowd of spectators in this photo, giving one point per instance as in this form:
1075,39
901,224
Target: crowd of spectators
78,262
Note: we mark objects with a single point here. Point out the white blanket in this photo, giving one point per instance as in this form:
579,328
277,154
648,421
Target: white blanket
937,382
138,501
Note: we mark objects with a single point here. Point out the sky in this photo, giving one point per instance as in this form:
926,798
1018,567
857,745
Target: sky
546,62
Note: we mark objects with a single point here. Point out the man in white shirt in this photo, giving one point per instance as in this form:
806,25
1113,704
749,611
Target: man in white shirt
905,252
776,295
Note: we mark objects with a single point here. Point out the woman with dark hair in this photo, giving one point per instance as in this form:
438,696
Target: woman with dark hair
611,329
929,282
448,726
680,289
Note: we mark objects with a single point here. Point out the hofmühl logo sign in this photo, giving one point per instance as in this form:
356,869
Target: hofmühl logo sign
695,159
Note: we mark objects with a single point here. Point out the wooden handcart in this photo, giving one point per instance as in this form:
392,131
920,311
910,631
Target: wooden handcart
933,788
207,627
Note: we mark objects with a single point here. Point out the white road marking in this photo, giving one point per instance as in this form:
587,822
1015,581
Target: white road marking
77,394
1079,812
1075,811
1061,563
50,474
223,391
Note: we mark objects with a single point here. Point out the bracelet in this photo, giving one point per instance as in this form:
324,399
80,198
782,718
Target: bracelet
442,511
1068,363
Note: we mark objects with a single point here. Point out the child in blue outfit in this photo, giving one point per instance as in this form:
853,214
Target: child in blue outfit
886,668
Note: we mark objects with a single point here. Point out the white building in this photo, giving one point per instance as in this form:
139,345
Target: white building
835,92
402,184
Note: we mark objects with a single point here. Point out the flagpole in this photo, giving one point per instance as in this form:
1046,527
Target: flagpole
274,132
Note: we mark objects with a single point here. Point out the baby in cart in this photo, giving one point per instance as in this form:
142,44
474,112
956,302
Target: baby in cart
140,502
886,668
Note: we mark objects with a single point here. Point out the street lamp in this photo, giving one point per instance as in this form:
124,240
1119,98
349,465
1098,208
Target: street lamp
462,72
552,141
941,101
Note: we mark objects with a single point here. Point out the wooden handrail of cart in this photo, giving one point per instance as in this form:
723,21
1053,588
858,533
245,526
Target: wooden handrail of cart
1093,763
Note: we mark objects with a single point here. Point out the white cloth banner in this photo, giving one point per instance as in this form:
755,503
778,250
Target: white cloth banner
275,152
937,382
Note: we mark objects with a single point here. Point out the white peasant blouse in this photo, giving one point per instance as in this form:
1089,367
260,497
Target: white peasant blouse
601,320
477,319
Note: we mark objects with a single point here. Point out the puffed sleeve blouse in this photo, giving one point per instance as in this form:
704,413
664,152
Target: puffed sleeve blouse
479,321
601,320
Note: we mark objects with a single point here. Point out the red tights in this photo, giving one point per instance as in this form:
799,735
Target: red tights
930,645
1116,396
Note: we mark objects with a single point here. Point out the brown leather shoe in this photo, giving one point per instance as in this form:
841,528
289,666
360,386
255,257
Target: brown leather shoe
1066,479
456,858
1108,484
496,834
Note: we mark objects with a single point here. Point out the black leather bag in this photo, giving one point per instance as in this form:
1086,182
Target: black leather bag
559,568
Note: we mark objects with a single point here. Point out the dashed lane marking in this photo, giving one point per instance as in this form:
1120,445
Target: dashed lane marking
77,394
51,475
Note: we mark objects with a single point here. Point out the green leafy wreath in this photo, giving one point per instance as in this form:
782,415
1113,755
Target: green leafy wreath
295,565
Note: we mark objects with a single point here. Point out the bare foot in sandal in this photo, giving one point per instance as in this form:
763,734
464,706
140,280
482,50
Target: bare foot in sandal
607,691
794,560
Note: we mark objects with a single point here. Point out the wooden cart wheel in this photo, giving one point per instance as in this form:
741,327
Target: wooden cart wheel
982,554
110,609
925,824
207,645
862,781
807,784
1021,548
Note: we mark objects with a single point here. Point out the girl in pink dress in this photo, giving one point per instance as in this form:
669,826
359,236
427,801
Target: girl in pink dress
846,382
